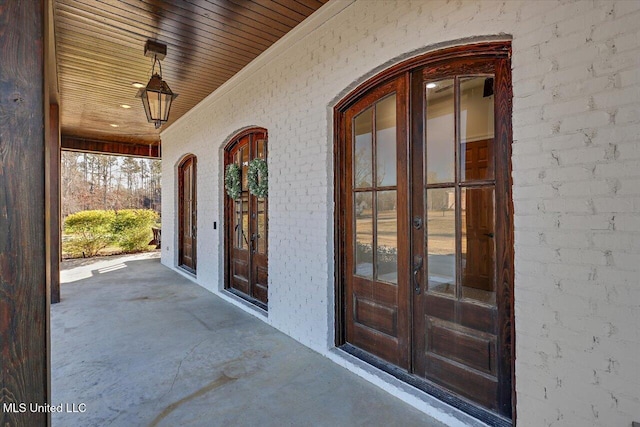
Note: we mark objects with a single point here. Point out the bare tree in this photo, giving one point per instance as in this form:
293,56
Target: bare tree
94,181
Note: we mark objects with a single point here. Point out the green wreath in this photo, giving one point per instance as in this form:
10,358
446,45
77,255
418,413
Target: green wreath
258,178
232,181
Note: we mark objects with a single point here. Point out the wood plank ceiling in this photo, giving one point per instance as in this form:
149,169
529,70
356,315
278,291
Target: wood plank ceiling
100,54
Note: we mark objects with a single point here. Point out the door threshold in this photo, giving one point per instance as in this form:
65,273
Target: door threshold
188,270
246,299
484,415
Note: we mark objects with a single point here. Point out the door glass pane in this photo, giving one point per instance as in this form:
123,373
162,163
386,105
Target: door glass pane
441,240
237,224
245,167
476,128
386,141
186,200
387,237
245,221
363,205
262,227
187,217
260,149
363,150
440,131
478,244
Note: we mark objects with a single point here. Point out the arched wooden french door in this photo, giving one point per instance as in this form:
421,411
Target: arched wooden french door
187,211
246,224
425,226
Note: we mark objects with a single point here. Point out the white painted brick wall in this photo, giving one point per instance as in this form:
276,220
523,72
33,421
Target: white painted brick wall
576,176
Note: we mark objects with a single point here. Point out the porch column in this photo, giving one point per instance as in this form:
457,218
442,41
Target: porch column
53,204
24,347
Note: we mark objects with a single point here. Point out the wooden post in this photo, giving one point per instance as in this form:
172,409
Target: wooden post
24,348
53,202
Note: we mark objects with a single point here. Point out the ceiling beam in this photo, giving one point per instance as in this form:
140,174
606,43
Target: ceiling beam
72,143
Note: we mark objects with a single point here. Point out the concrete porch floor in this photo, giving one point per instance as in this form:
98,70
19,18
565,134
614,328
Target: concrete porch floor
140,345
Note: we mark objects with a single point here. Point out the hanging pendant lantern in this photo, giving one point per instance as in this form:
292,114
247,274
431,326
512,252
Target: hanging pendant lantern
156,97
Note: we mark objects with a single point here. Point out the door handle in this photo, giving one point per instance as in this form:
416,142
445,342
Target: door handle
489,235
417,222
417,265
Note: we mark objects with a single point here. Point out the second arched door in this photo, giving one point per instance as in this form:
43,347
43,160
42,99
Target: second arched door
246,259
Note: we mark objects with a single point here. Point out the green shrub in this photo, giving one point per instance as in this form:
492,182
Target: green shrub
90,231
132,228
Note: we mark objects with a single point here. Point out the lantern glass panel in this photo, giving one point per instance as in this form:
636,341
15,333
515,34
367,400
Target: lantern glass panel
145,103
154,105
164,106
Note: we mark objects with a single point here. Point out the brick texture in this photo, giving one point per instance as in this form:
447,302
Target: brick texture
576,180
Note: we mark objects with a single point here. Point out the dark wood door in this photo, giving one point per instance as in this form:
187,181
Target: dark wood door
246,236
460,340
376,273
425,258
187,214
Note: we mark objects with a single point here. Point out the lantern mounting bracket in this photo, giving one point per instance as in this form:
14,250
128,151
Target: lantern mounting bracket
154,49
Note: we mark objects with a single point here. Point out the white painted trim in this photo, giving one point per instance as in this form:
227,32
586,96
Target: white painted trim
186,275
254,310
420,400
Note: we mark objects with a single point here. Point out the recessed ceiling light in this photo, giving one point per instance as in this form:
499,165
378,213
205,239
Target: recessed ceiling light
125,106
137,85
113,125
431,85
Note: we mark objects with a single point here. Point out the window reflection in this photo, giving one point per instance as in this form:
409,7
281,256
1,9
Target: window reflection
386,142
244,227
363,205
387,237
440,131
376,254
476,128
441,240
478,244
262,226
363,149
244,153
261,149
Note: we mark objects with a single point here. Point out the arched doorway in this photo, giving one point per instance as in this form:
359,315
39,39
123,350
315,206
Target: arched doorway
187,214
425,226
246,219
